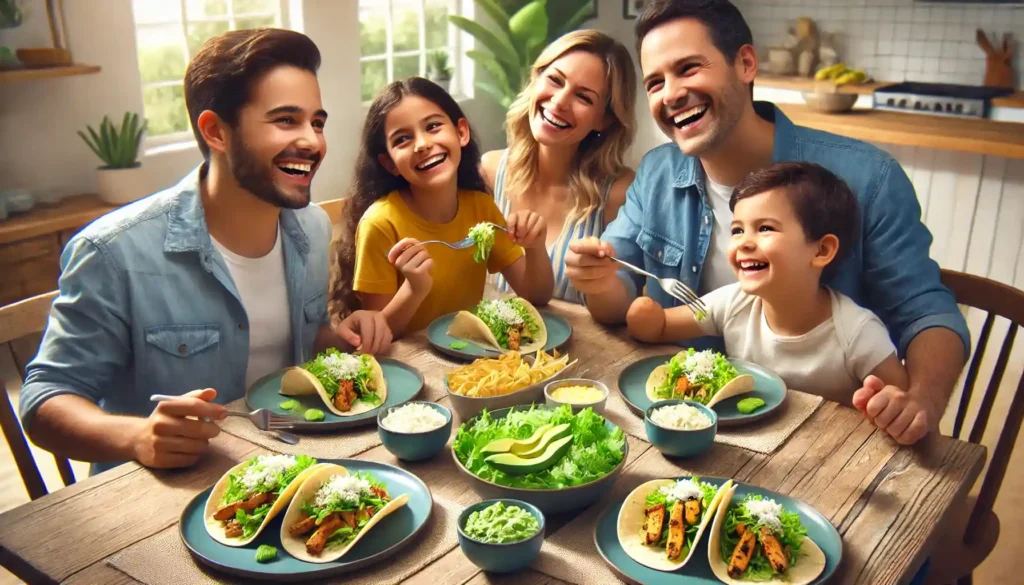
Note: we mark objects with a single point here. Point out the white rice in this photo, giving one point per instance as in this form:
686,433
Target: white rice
414,418
681,416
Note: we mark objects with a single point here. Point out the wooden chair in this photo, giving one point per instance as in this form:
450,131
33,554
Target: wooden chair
982,526
18,321
334,208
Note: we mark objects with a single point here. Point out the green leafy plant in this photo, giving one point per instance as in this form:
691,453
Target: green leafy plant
10,14
117,147
437,64
521,29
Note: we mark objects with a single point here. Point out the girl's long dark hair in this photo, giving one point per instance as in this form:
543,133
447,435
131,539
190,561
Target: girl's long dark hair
373,181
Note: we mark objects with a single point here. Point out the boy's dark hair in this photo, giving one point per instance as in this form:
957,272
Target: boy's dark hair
822,202
220,76
373,181
726,26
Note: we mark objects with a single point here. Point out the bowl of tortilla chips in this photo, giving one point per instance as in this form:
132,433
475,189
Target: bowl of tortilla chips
510,379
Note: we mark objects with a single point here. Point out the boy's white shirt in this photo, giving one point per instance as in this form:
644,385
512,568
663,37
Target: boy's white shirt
831,360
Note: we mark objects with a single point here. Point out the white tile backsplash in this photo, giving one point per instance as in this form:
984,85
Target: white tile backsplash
896,40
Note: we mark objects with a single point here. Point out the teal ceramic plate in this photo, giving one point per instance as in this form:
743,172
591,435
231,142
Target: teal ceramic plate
404,384
559,332
767,387
697,571
391,535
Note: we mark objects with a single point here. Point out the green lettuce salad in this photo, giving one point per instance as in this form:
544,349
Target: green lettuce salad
333,366
500,524
706,371
784,525
262,474
594,453
502,314
669,495
482,235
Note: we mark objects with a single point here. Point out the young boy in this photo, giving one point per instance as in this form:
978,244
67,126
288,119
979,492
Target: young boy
791,221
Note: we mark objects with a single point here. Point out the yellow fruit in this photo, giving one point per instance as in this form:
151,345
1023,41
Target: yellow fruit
830,72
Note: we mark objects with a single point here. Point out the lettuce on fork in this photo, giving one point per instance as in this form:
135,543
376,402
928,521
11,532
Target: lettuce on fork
482,235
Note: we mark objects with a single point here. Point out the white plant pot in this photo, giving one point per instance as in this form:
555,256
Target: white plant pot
120,186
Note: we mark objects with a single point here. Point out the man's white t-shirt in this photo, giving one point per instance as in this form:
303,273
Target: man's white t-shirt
717,271
261,285
831,360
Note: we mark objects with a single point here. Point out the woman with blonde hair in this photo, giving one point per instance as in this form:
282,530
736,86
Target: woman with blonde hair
568,133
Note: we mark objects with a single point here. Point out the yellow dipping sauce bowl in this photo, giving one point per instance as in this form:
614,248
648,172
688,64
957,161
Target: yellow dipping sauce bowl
577,393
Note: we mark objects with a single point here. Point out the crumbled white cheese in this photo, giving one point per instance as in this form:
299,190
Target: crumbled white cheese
343,366
266,470
503,310
682,490
700,366
414,417
767,512
341,488
680,416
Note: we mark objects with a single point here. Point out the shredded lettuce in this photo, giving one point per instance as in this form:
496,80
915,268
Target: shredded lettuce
760,569
490,313
722,374
482,235
658,497
362,381
251,522
594,453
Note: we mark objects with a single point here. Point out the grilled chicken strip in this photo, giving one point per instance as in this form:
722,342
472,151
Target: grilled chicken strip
676,532
315,544
232,529
349,518
514,338
692,511
742,553
303,526
346,394
654,523
250,504
773,551
682,386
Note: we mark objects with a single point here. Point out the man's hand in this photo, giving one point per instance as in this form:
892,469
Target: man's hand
645,320
589,266
367,331
527,229
906,418
169,439
413,261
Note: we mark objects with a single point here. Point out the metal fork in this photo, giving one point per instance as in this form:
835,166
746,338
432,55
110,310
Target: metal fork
262,418
673,287
464,242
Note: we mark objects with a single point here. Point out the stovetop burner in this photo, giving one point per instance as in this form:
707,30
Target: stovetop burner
965,101
947,90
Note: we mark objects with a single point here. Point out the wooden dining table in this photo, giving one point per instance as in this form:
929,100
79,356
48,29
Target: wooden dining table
887,501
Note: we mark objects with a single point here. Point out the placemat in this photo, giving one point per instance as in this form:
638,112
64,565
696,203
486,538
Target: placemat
764,436
162,559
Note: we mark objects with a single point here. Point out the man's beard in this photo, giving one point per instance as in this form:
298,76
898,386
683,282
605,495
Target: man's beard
256,179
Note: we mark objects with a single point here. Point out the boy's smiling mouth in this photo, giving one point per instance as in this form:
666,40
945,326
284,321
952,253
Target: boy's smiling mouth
748,267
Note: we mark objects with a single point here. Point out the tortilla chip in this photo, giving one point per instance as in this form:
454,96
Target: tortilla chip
808,566
214,527
296,545
469,327
631,521
299,382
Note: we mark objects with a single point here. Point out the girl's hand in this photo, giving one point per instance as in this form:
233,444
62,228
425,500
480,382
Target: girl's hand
527,229
366,331
413,261
645,320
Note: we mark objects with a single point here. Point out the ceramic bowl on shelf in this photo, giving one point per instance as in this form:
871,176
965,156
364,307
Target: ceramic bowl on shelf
830,102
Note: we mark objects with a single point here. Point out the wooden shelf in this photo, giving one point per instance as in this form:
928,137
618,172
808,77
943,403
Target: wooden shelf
961,134
70,212
27,74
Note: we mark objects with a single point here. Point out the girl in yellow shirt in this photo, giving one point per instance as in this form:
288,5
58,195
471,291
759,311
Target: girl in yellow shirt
418,179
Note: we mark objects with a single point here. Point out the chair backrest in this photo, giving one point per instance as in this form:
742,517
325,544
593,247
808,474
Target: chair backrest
335,208
997,300
19,320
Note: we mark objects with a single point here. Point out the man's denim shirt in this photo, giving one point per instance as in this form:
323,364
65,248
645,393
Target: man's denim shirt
147,306
665,226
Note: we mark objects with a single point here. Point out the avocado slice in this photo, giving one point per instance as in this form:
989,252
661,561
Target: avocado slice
516,445
516,465
554,433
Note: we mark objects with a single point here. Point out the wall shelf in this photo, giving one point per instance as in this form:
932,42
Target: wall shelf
27,74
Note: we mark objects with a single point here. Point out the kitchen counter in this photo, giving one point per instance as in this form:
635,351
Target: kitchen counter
1015,100
962,134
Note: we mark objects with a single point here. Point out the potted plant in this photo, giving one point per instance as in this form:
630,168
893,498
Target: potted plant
438,69
121,179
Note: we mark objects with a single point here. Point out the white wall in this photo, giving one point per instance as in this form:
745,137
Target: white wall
39,149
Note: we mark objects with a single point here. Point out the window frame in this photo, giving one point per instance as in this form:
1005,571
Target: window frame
281,19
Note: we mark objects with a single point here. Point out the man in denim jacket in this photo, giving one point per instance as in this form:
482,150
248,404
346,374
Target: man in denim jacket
203,288
698,64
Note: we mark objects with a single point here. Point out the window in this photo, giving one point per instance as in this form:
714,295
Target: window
396,36
168,33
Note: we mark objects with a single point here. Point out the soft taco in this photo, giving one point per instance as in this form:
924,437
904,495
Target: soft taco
661,521
511,324
348,384
252,493
702,376
332,510
757,539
